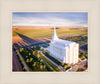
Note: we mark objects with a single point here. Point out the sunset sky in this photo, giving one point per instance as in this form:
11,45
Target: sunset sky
64,19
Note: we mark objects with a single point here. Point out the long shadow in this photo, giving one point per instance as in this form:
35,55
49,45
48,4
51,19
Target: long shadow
26,39
16,46
29,41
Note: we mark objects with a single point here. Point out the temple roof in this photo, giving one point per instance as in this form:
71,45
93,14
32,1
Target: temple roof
63,43
59,42
54,37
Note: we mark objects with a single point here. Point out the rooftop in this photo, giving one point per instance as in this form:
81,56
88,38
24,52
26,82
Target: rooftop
62,43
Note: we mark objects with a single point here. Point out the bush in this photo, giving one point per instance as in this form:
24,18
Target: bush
83,57
27,60
62,63
66,66
80,69
48,44
21,49
58,59
41,48
31,59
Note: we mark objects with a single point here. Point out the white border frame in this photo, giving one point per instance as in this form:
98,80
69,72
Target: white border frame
9,77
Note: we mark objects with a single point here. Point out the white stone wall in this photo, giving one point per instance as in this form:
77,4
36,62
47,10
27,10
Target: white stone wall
69,54
57,52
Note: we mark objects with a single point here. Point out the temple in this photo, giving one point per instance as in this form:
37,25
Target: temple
66,51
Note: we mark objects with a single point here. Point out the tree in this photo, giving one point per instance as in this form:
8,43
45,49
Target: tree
26,56
44,51
41,60
38,55
31,59
34,47
29,53
27,60
34,64
48,44
24,68
41,67
44,66
58,59
83,57
21,49
80,69
37,51
33,52
41,48
62,63
66,66
49,54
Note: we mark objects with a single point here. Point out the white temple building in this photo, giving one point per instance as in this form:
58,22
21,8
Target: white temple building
66,51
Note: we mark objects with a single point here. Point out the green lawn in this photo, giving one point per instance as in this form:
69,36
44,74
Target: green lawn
36,33
50,63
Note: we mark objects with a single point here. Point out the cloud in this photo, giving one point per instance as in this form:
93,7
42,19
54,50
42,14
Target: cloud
46,21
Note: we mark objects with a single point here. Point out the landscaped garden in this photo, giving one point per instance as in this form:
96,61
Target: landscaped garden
33,60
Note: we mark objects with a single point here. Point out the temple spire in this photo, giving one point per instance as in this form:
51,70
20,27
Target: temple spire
54,37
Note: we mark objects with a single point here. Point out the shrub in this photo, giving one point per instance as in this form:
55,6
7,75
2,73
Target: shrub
48,44
27,60
29,53
26,56
58,59
21,49
83,57
31,59
62,63
41,48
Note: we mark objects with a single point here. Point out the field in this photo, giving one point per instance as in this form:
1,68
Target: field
47,32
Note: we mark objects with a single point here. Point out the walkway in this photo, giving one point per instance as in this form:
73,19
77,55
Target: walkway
80,65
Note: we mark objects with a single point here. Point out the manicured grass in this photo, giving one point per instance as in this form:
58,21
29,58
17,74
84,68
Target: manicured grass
36,33
50,63
52,58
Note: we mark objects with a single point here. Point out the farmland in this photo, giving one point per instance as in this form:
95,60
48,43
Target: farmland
47,32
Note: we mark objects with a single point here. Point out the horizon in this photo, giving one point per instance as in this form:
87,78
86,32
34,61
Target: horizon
50,26
50,19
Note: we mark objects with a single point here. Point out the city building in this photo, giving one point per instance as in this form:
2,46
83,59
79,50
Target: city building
66,51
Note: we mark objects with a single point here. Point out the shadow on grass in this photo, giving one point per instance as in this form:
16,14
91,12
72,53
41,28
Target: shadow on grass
28,41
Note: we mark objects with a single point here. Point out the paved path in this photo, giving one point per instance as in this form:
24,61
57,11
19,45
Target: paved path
52,62
23,61
79,65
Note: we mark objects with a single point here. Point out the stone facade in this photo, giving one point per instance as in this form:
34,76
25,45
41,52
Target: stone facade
66,51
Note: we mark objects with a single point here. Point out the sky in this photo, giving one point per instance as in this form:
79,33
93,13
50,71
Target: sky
63,19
